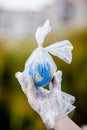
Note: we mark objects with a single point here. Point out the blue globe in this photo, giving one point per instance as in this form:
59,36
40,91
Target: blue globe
41,74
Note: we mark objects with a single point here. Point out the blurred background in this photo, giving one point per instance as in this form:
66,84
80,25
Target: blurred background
19,20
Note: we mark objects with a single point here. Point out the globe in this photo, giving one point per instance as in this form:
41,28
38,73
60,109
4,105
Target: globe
41,74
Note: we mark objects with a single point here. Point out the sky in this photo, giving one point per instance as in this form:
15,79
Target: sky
21,5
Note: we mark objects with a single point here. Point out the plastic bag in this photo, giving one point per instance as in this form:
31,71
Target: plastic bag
40,65
53,103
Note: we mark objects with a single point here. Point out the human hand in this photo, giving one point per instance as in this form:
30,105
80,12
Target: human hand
49,104
65,123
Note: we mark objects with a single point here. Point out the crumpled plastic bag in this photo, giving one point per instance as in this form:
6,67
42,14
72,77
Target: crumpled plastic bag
40,65
40,70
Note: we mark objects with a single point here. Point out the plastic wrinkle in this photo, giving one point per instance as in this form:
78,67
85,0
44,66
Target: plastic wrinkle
41,70
47,103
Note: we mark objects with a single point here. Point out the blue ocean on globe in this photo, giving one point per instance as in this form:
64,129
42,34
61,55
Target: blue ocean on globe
41,74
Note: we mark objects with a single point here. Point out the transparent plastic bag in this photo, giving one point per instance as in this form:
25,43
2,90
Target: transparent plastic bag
40,65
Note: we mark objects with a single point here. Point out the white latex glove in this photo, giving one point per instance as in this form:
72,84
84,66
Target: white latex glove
49,104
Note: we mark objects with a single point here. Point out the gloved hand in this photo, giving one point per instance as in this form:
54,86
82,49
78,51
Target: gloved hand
49,104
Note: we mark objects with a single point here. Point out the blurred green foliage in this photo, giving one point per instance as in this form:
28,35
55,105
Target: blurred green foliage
15,113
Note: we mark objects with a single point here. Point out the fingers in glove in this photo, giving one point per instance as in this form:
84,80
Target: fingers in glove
59,75
25,82
56,81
